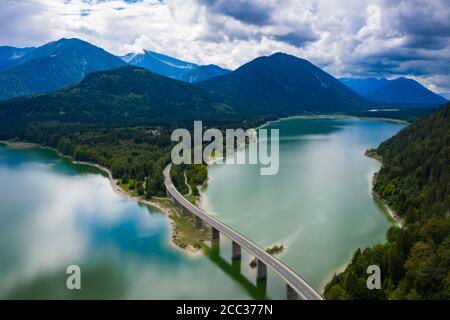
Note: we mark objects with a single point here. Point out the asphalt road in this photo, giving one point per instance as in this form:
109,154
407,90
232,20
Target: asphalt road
295,281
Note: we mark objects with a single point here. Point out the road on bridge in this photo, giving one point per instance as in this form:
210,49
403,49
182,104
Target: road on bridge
290,277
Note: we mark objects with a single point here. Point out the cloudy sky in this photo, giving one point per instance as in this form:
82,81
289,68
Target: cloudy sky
355,38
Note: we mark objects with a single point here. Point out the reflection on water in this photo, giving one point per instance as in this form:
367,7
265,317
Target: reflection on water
54,214
318,205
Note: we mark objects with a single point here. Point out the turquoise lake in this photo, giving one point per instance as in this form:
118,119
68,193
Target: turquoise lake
54,214
319,204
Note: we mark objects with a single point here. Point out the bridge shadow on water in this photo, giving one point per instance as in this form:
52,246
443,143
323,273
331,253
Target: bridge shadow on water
258,291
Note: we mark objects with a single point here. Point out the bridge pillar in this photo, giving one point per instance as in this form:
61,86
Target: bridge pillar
215,235
169,196
261,270
291,294
185,212
235,251
198,223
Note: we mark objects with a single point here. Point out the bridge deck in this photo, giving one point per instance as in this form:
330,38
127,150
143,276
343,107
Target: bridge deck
291,278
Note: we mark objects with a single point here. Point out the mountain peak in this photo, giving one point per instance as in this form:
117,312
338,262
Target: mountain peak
286,56
280,54
397,92
70,40
282,84
53,66
406,91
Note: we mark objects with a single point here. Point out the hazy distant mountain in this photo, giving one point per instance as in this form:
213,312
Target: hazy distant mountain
172,67
445,95
8,55
406,91
364,86
400,91
282,84
160,63
53,66
202,73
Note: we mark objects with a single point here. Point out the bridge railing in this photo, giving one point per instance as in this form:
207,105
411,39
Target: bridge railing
295,284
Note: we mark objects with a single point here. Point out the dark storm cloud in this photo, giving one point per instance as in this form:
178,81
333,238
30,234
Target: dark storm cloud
431,42
247,11
297,38
256,14
412,40
425,24
422,18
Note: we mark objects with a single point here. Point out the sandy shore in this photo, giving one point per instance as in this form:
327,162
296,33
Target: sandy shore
331,116
167,211
398,220
385,119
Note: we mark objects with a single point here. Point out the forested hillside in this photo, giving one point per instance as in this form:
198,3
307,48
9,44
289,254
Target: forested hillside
54,66
415,182
121,119
126,96
281,85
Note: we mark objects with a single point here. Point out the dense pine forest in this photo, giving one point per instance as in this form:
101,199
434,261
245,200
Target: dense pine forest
415,182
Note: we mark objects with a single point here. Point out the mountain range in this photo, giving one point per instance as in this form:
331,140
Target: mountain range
275,85
53,66
398,92
172,67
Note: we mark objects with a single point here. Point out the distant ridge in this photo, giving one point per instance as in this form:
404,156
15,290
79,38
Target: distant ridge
172,67
202,73
366,86
400,92
53,66
10,54
406,91
160,63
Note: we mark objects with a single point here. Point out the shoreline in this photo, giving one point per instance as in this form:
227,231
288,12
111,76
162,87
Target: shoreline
335,116
167,211
395,219
392,214
189,250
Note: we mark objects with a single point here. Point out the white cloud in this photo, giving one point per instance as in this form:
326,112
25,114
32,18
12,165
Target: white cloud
347,38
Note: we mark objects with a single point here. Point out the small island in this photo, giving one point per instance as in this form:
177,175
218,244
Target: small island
271,250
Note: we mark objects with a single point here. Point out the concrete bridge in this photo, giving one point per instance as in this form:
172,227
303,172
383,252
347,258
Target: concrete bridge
295,286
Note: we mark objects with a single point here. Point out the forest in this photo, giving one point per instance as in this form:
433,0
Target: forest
415,182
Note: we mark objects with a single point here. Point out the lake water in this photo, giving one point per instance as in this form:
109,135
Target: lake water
54,214
318,205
